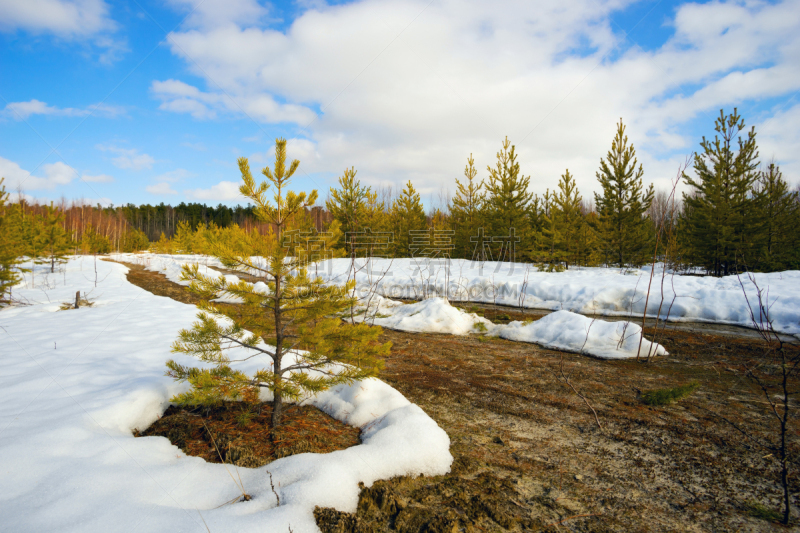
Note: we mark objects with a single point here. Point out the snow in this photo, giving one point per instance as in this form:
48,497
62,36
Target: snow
564,330
76,383
594,291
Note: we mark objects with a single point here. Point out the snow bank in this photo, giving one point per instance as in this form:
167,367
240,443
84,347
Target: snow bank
434,315
76,383
599,291
568,331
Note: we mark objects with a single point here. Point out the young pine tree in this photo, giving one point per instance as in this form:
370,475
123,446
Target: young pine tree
778,211
621,209
507,197
52,239
348,205
720,211
564,226
293,312
407,216
9,250
467,210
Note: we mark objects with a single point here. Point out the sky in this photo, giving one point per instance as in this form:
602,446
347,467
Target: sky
140,101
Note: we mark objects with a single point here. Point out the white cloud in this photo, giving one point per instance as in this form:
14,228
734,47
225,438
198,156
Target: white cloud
409,89
100,178
221,192
174,176
128,158
200,147
49,176
23,110
67,18
160,189
779,138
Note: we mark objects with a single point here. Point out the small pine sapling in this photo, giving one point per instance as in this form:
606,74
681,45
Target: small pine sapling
291,320
9,251
53,239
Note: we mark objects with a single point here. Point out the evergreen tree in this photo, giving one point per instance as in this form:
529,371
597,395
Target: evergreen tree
507,197
720,210
407,216
348,205
621,209
778,216
564,226
467,210
292,313
9,250
52,239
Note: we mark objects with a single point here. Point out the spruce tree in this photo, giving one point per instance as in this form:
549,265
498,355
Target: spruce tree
467,210
778,214
407,216
621,209
52,239
507,197
293,312
9,250
720,210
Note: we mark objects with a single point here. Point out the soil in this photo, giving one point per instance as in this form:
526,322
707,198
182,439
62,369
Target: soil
240,434
529,455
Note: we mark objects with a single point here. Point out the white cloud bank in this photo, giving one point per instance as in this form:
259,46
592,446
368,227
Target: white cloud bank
128,158
48,176
408,89
23,110
223,191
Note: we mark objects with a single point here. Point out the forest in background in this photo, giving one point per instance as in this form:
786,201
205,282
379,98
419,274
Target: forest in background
740,215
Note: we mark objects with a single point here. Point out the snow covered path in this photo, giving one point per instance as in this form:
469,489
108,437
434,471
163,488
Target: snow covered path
75,383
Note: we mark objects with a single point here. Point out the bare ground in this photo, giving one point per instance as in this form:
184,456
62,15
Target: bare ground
529,455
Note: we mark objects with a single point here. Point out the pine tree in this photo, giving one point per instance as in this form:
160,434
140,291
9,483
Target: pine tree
52,239
621,209
721,207
564,226
9,250
778,215
292,313
507,197
407,216
349,206
467,210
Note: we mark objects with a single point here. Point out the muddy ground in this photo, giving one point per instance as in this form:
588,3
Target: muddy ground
529,455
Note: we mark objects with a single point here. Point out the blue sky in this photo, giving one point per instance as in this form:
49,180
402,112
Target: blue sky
144,101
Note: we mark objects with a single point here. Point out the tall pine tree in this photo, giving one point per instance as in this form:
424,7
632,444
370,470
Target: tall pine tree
622,225
564,225
295,312
720,211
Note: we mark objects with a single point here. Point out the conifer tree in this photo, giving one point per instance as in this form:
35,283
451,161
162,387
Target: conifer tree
292,313
52,239
9,250
467,210
507,197
778,213
621,209
407,216
721,208
565,222
349,206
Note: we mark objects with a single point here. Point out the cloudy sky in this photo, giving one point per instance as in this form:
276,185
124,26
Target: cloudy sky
119,101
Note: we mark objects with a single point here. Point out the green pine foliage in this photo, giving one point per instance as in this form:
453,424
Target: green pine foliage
778,217
623,229
508,201
466,212
407,217
350,206
10,250
293,313
668,396
52,240
565,228
719,222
